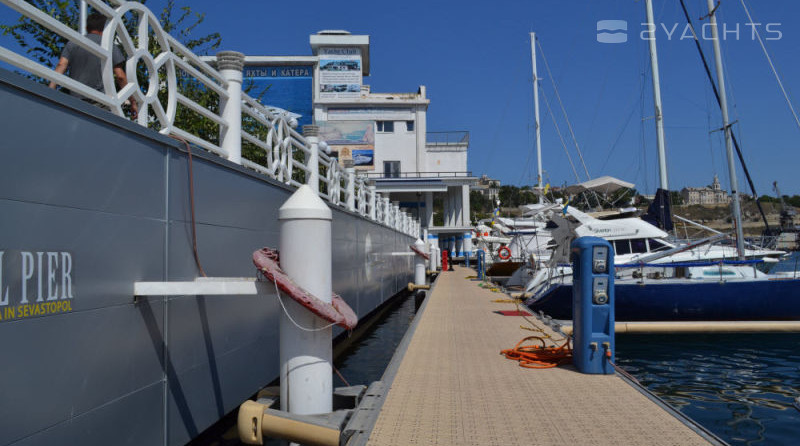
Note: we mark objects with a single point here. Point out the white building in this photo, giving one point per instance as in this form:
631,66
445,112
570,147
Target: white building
384,136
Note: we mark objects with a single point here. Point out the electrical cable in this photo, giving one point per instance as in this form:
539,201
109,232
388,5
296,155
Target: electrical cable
191,205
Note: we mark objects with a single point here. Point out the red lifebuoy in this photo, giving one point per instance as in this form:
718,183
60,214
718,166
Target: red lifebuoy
504,253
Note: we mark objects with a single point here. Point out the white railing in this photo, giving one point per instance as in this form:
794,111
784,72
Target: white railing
287,156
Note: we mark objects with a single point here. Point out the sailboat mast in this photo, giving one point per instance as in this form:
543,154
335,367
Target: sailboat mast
662,157
723,104
539,184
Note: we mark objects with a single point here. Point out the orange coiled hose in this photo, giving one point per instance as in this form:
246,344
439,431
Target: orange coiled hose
539,356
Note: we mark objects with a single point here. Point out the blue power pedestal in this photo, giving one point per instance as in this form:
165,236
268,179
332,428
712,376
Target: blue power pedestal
481,259
593,305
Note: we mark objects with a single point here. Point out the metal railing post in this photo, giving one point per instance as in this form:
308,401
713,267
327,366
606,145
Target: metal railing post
311,133
350,192
372,198
387,212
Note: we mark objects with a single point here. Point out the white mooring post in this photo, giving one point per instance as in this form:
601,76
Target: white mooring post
230,65
311,134
419,264
305,256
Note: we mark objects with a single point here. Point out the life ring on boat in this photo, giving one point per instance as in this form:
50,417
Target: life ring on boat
504,253
338,312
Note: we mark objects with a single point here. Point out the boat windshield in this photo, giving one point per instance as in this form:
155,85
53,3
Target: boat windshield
655,245
638,245
622,247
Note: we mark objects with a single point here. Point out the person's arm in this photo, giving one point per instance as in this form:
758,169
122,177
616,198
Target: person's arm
61,68
122,81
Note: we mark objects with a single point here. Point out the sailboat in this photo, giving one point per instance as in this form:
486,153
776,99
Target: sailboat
654,279
522,241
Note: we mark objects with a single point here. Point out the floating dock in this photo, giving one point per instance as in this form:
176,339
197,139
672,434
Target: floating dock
449,384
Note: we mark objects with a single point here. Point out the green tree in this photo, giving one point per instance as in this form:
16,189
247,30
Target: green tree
480,206
768,199
45,46
676,198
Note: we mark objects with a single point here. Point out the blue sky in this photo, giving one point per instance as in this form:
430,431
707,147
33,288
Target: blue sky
474,59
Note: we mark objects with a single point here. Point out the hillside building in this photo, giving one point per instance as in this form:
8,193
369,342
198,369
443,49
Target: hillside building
711,195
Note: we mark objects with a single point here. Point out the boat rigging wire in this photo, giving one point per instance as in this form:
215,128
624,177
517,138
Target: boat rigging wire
716,94
771,65
563,110
623,128
560,136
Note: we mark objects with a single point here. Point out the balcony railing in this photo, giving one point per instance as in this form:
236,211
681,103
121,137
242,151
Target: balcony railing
424,175
460,138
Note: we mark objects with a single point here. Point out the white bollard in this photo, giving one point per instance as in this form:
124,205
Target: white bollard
419,264
433,243
230,65
305,256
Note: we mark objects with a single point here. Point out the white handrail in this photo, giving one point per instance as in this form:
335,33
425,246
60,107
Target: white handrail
267,129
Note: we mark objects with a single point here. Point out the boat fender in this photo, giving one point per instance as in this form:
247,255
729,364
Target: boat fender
337,311
419,252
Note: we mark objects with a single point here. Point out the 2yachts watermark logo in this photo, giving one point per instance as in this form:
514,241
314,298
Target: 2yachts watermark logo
612,31
616,31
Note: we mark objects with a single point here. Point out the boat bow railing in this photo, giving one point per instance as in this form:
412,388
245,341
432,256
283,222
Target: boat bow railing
159,68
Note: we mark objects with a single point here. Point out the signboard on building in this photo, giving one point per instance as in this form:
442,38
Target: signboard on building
339,73
350,140
287,87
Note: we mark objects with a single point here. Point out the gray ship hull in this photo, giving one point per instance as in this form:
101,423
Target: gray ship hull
91,204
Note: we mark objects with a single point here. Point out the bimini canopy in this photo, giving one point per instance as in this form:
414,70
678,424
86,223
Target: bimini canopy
603,185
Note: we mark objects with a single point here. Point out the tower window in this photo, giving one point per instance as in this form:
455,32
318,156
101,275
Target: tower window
385,126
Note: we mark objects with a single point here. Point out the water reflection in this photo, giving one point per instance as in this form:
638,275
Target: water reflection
741,387
366,360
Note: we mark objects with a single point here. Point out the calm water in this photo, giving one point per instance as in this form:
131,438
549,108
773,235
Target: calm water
741,387
367,359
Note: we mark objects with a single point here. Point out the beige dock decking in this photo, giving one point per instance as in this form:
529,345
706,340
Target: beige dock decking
454,388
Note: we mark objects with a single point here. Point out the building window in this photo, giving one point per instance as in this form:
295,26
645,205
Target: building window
391,169
385,126
409,126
